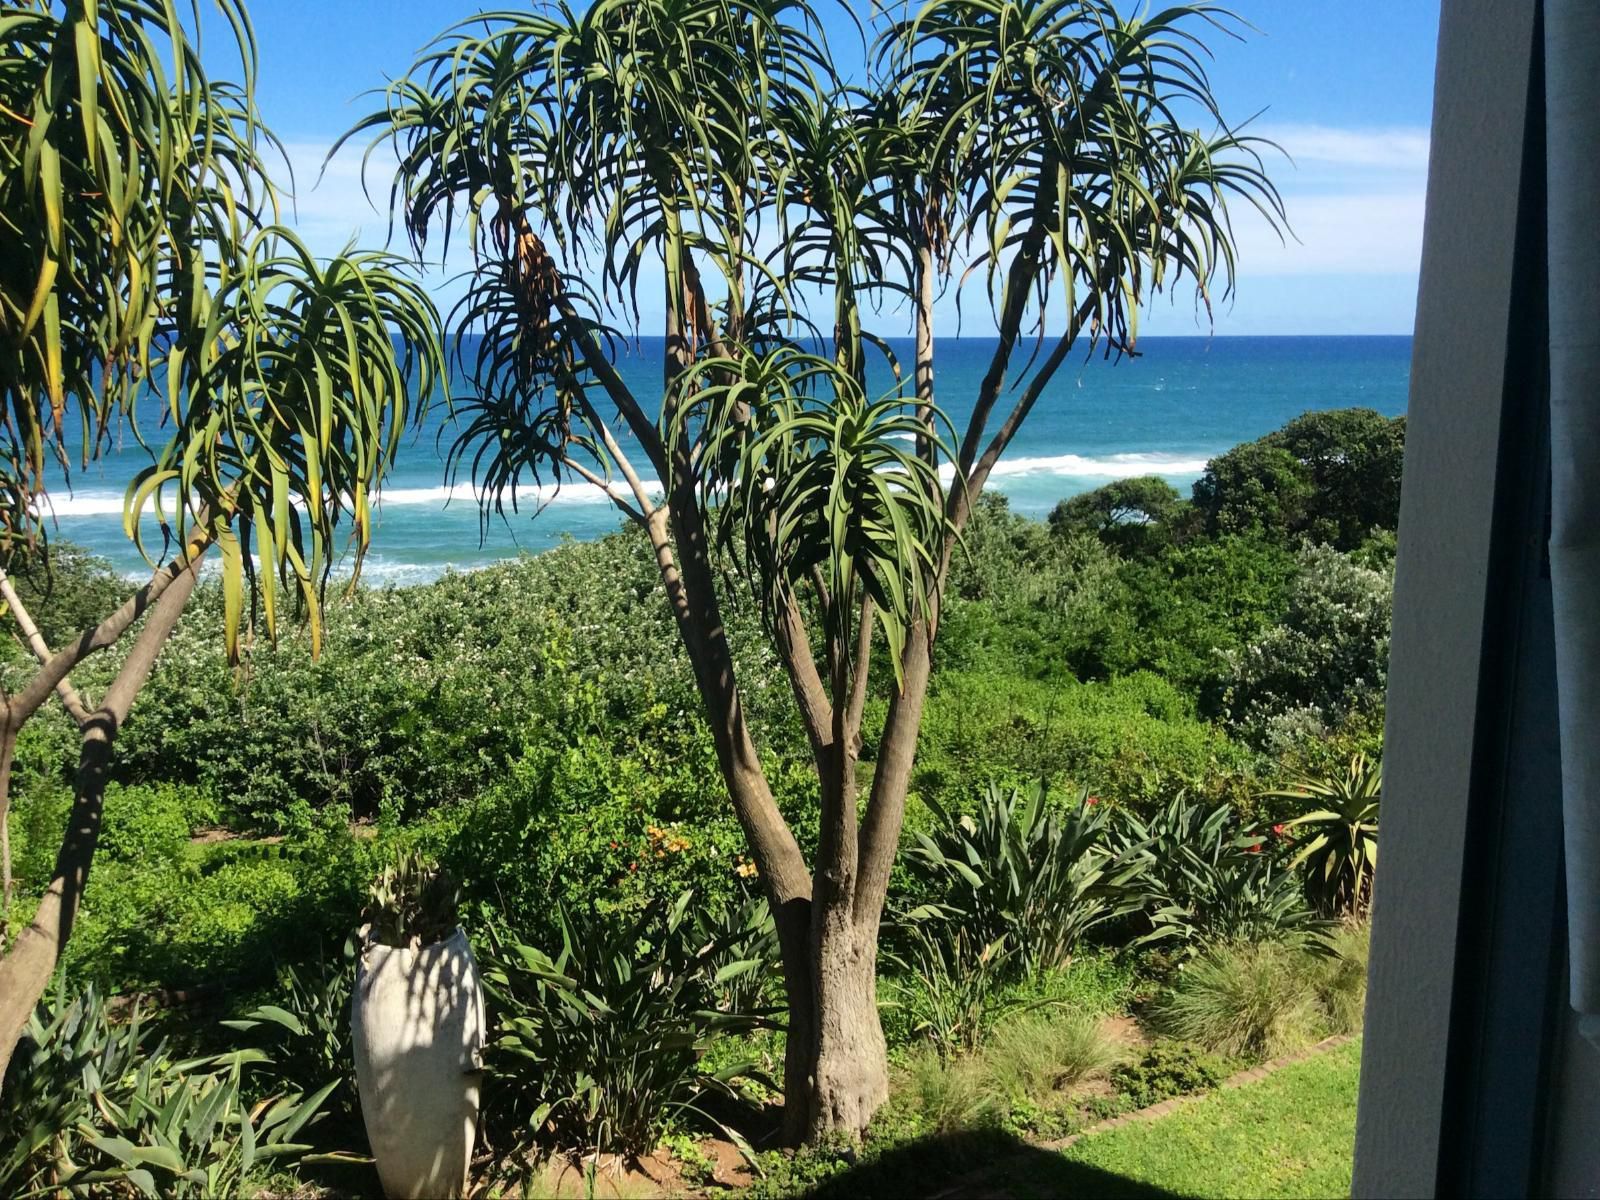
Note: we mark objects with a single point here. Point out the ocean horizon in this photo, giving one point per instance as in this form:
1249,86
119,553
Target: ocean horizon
1180,403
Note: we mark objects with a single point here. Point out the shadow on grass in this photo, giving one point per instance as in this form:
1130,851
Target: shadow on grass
977,1165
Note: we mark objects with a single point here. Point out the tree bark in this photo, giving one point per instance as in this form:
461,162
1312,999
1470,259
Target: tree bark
848,1079
26,969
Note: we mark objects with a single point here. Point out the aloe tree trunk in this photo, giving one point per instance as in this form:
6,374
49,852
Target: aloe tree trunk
26,969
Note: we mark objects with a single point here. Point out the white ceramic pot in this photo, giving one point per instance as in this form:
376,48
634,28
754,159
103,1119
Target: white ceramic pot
418,1026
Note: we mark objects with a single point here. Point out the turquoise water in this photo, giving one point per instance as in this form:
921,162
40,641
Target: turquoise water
1181,402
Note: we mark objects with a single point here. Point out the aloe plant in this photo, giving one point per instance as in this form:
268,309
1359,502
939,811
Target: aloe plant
144,277
1041,149
97,1103
1340,850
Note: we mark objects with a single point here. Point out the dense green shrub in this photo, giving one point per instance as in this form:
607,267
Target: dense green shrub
598,829
423,695
600,1043
1134,516
1324,663
1330,476
1023,602
152,822
1130,741
1180,613
226,914
1165,1070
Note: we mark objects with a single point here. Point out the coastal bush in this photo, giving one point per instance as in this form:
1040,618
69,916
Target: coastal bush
1242,1000
222,916
1324,663
1179,613
598,827
424,696
1134,516
1023,602
1331,476
1132,740
153,822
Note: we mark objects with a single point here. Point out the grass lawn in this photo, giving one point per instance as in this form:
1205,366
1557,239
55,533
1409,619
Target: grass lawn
1291,1134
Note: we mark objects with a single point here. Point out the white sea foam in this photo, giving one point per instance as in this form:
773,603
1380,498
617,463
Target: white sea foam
106,503
1110,466
95,503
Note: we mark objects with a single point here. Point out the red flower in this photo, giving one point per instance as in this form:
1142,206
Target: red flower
1279,830
1094,800
1254,848
614,845
635,866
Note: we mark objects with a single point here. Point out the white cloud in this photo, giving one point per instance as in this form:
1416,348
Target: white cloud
1355,199
329,207
1346,234
1403,148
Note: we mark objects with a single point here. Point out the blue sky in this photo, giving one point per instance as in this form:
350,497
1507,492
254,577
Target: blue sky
1345,87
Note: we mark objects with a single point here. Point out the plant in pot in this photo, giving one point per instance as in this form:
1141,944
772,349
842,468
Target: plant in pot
417,1024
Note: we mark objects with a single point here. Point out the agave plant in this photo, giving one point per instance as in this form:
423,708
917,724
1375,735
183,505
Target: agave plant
96,1104
1019,869
1340,853
411,903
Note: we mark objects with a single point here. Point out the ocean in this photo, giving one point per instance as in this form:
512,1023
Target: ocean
1181,402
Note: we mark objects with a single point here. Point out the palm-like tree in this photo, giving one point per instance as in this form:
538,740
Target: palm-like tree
285,382
1040,141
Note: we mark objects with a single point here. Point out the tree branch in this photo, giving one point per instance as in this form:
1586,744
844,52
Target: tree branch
41,651
26,969
26,702
794,649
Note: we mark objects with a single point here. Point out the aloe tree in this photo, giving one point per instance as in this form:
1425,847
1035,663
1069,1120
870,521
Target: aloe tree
144,281
1037,145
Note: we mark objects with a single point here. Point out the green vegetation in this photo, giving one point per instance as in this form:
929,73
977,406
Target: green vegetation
664,780
1291,1134
144,271
1079,847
